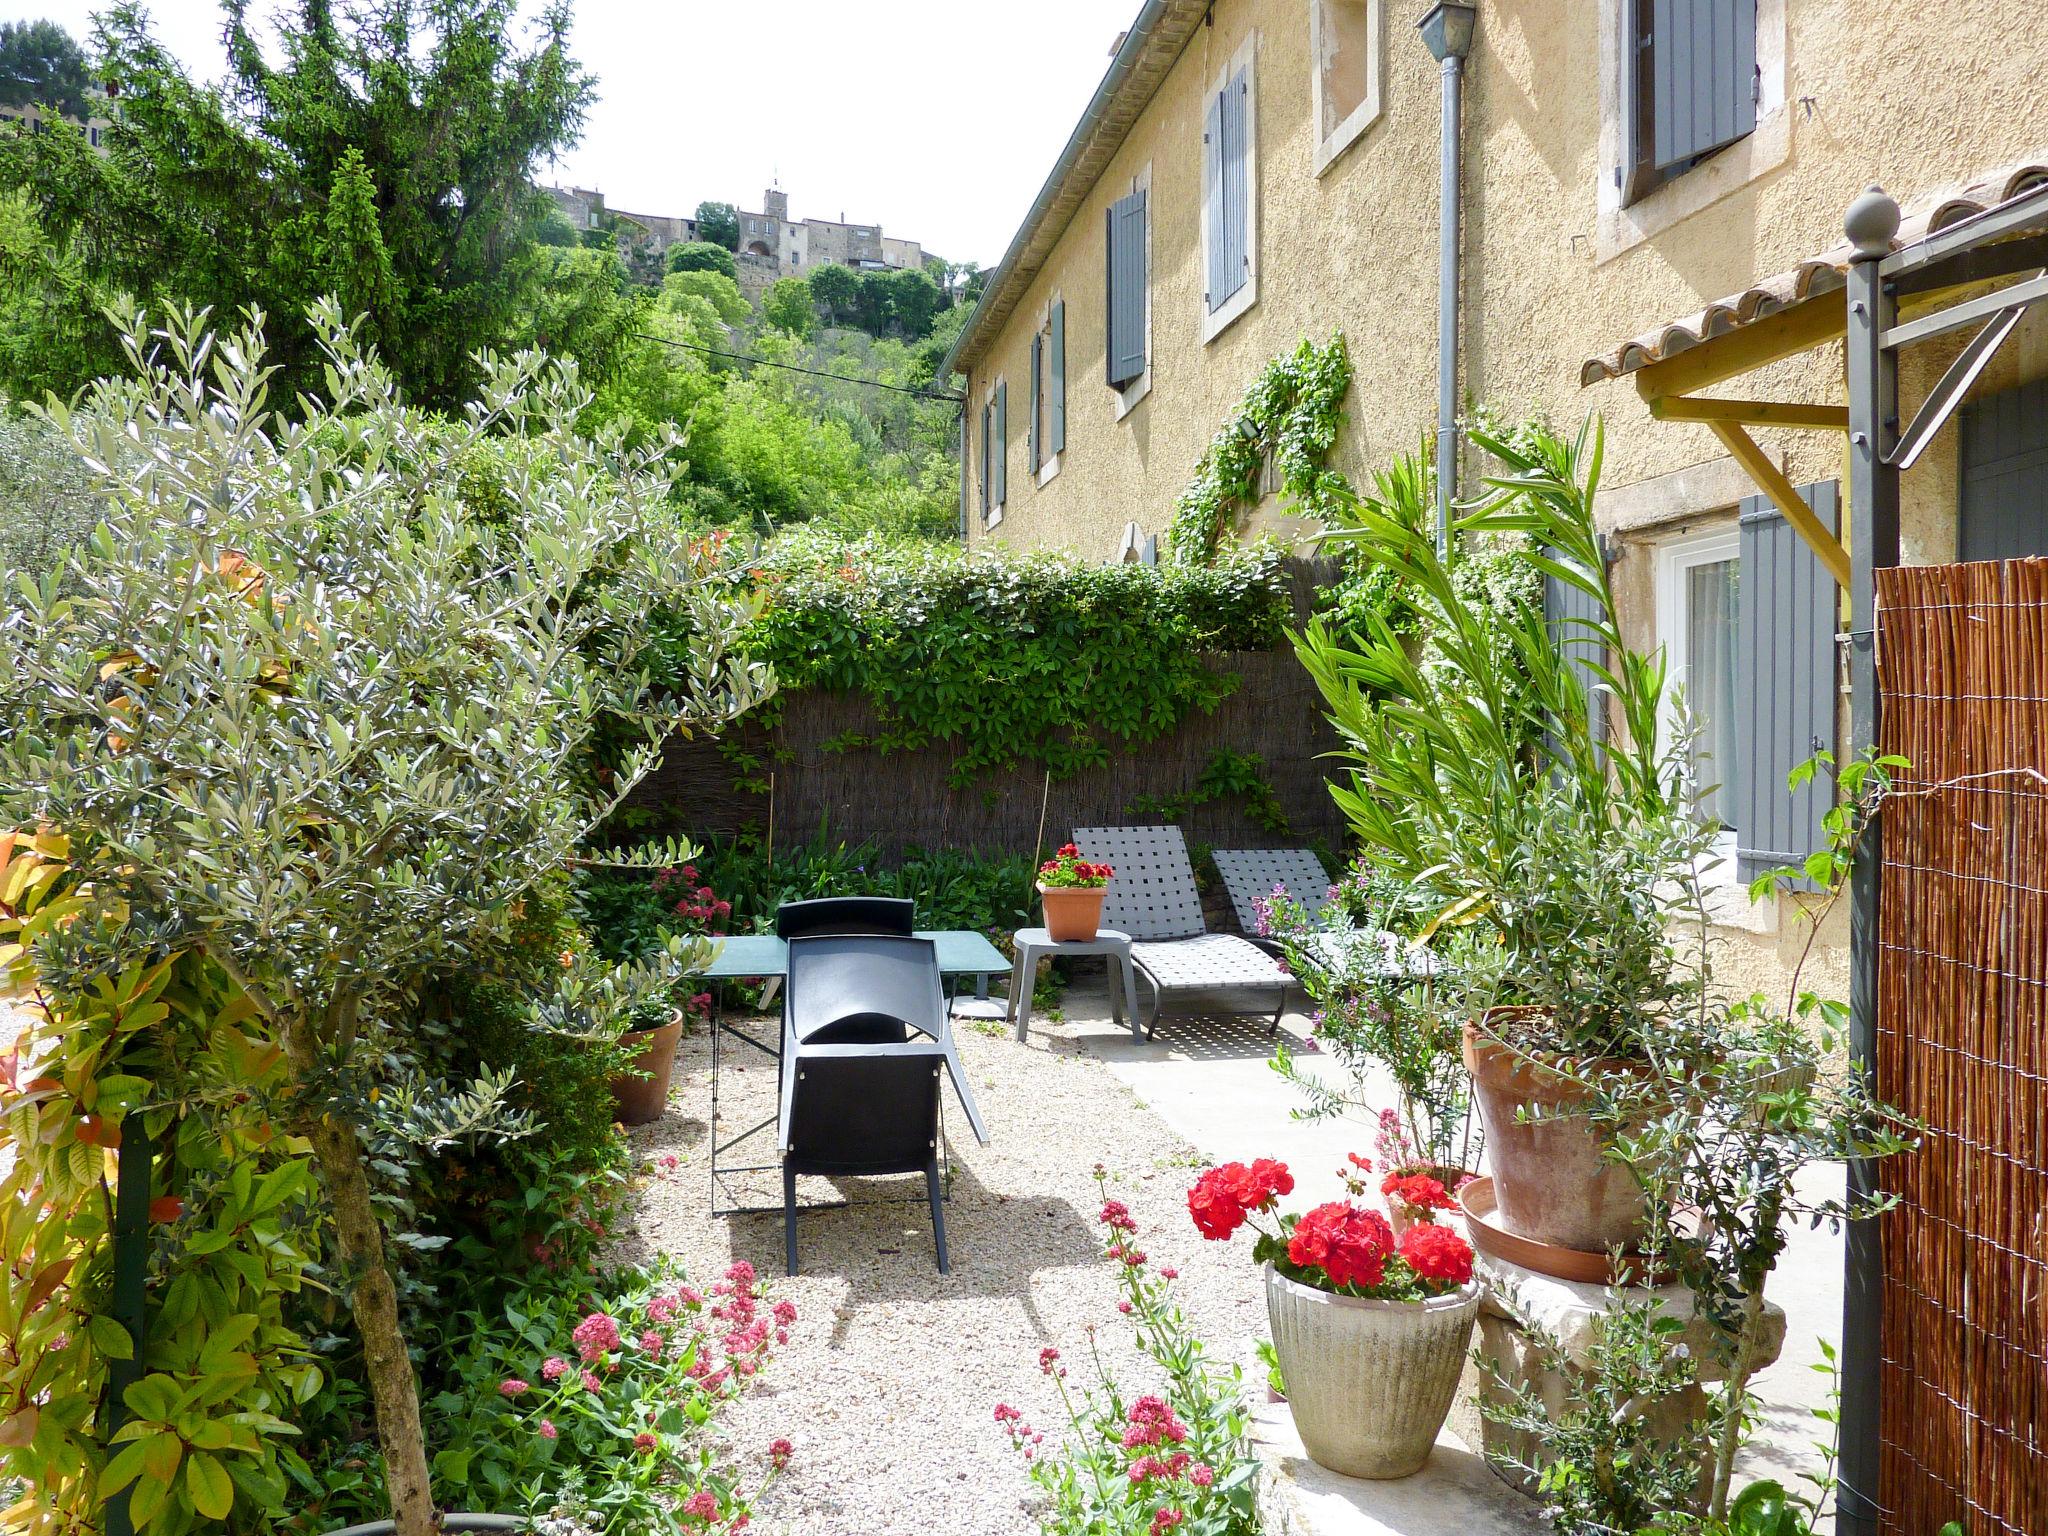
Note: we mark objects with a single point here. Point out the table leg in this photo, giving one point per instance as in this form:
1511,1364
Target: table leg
1021,980
1130,979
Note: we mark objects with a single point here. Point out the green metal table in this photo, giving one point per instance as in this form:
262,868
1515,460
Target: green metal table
961,952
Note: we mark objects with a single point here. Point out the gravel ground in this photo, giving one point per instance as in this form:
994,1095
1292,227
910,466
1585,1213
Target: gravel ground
887,1384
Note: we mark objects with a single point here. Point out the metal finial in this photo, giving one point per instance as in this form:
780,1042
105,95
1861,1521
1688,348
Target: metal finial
1871,222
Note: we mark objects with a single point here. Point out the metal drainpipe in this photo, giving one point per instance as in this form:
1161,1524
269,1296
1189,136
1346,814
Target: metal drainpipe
1447,30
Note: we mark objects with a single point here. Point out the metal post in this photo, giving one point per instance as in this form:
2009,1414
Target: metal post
1872,221
1447,31
131,1275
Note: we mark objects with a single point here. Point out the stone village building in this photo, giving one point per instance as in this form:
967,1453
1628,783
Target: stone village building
772,244
1651,197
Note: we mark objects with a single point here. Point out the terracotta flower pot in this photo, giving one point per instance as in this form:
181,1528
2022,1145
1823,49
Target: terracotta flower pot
1369,1383
1552,1181
1073,913
640,1099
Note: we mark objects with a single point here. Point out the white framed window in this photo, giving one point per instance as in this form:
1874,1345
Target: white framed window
1230,193
1699,616
1344,45
1127,298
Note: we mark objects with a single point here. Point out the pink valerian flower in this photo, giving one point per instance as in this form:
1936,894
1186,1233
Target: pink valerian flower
701,1505
1146,1467
645,1443
741,1274
669,1162
779,1452
689,1296
662,1308
1126,1308
1166,1519
547,1430
1005,1414
1049,1361
1169,1273
553,1367
650,1341
595,1335
785,1313
512,1386
1201,1474
591,1383
1117,1216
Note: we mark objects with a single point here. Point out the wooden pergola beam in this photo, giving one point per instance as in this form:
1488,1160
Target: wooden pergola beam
1750,413
1785,334
1772,482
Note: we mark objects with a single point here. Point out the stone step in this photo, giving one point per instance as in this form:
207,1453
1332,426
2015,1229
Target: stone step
1454,1495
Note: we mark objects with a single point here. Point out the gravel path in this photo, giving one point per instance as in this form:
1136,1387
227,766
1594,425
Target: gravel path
887,1384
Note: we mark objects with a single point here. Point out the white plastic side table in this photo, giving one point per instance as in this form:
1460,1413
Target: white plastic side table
1035,944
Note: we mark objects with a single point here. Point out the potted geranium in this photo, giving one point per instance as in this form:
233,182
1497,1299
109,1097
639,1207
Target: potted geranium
1371,1330
1072,889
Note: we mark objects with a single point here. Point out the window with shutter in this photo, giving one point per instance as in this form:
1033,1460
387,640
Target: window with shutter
1031,424
1000,451
1125,304
1785,692
1230,195
987,410
2003,511
1689,85
1056,393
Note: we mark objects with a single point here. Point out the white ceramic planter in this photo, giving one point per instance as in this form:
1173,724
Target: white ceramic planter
1369,1382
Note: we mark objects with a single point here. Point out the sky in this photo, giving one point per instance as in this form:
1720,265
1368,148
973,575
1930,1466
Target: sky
937,119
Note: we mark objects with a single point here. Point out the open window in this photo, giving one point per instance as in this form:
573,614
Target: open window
1344,38
1690,86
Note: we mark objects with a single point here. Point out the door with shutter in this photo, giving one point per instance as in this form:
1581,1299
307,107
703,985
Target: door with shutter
1786,689
2002,500
1125,298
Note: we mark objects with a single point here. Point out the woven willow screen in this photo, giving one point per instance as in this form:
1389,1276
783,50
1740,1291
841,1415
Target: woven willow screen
1963,1047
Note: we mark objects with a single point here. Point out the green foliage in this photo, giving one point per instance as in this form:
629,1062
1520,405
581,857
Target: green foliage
719,224
836,292
292,654
47,494
1476,772
716,289
787,306
1227,775
1290,415
1093,1476
41,65
1009,657
588,1463
53,335
387,159
703,256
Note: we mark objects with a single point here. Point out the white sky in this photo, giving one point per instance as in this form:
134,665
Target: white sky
937,119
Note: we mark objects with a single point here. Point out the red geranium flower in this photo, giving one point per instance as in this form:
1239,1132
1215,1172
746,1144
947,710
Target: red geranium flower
1346,1243
1419,1190
1437,1253
1224,1195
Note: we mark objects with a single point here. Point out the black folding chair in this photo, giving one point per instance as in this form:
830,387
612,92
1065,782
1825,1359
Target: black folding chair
860,1096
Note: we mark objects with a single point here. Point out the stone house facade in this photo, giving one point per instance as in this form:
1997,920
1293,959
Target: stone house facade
1255,171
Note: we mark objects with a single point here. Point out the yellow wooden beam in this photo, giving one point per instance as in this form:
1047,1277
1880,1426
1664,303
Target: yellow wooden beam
1750,413
1791,331
1772,482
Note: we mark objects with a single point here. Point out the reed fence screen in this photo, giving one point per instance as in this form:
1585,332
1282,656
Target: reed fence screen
1962,1046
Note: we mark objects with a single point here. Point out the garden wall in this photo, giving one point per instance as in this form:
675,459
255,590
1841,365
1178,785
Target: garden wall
902,799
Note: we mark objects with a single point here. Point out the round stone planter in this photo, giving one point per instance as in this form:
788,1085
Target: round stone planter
1369,1382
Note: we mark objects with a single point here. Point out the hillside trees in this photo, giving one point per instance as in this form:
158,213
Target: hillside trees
387,159
41,65
702,256
719,223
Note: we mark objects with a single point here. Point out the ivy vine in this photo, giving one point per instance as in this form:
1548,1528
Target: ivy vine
1009,657
1289,416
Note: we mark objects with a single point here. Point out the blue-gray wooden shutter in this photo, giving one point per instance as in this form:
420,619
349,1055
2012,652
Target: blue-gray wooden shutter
1002,443
1124,305
964,472
987,469
1785,684
2004,502
1037,399
1703,77
1056,406
1227,176
1567,611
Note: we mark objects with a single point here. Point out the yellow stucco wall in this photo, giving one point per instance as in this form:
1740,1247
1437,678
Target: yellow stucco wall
1918,97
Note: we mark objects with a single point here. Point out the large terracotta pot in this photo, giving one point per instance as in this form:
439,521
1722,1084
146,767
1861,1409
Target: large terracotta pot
641,1093
1073,913
1369,1382
1552,1181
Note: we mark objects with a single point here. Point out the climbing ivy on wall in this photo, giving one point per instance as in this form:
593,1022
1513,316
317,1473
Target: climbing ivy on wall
1011,657
1291,414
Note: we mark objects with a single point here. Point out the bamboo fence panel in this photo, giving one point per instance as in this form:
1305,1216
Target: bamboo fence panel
1962,1046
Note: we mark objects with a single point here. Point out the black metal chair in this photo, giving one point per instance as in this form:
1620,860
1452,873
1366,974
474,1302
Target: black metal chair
845,914
860,1097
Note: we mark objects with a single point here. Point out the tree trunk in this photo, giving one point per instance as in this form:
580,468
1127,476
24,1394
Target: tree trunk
1729,1442
394,1391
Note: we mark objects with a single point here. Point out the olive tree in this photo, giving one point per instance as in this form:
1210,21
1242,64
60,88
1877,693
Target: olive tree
300,709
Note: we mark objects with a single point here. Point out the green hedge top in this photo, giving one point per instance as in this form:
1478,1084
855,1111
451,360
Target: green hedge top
1014,657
